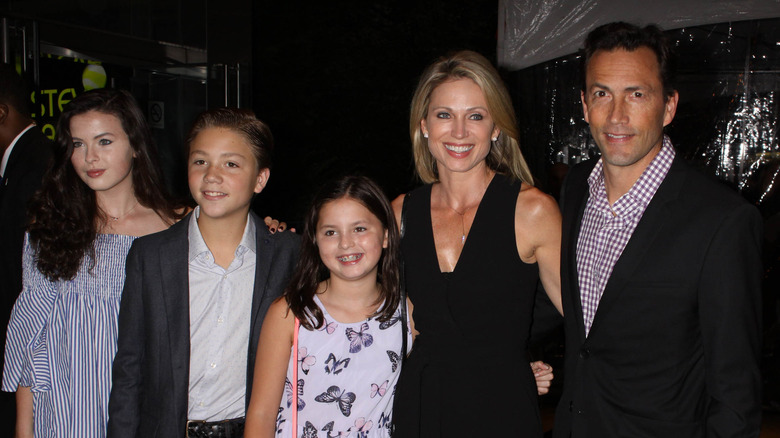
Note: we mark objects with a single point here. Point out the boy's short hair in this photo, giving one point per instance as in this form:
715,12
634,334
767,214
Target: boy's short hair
242,121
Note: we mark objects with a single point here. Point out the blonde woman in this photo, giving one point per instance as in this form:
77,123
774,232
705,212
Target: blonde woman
478,237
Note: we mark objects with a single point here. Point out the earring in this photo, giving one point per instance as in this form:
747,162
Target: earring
495,139
425,134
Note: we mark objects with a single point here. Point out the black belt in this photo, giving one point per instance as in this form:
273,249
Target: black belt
216,429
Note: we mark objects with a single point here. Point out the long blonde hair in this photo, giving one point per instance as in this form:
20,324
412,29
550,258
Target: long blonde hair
505,156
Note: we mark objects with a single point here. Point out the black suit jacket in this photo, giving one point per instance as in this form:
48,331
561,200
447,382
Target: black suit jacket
26,166
23,174
674,347
151,367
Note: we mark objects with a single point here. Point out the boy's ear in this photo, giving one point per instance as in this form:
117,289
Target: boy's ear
262,180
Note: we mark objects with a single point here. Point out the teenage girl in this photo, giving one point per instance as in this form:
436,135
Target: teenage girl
103,191
345,294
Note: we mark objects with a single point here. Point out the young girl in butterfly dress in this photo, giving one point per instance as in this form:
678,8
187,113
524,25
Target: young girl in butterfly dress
345,293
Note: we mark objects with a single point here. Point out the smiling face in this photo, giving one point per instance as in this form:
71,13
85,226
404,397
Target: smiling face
223,174
625,106
102,155
350,240
459,126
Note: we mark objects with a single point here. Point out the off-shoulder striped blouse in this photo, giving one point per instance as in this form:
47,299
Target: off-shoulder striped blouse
62,340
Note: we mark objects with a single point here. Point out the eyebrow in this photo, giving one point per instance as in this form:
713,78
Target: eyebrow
630,88
467,109
97,136
360,222
222,155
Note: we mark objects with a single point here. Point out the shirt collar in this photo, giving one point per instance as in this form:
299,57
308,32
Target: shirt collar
643,189
7,153
198,245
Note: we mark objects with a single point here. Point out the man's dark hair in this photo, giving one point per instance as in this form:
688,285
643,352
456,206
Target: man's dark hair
626,36
13,90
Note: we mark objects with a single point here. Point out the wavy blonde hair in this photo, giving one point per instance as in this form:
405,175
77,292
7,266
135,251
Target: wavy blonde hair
504,156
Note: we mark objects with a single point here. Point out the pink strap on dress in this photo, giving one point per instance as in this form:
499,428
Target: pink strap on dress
294,405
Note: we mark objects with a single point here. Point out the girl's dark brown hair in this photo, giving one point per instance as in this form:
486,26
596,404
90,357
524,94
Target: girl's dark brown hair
310,271
64,213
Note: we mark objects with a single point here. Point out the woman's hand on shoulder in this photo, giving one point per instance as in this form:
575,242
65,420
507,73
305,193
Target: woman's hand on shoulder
538,234
275,225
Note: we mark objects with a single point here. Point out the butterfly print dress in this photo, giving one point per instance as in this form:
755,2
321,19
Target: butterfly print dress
346,379
468,372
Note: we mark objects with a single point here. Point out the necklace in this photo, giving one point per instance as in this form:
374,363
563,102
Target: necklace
463,215
462,223
116,218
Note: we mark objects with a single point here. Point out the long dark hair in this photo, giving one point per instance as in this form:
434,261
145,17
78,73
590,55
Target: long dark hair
311,271
64,212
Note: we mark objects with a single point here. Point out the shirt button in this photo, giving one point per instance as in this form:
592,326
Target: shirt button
213,365
200,404
220,320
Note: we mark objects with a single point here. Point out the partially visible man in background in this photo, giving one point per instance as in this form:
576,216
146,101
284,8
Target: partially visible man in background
25,156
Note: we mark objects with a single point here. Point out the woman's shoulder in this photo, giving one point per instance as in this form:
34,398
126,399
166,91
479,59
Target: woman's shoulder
535,206
398,205
416,194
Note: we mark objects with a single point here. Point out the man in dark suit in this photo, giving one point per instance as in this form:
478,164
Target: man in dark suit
25,153
660,267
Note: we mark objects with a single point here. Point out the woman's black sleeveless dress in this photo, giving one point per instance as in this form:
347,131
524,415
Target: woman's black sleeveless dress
468,372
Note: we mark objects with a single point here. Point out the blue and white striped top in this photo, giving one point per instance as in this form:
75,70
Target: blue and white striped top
62,340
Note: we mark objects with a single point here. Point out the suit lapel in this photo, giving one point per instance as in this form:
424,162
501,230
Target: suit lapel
650,228
264,254
175,280
577,196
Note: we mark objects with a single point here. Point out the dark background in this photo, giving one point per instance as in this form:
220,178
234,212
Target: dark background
335,86
332,79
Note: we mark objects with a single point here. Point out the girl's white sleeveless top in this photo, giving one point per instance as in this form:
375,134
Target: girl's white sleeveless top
346,379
